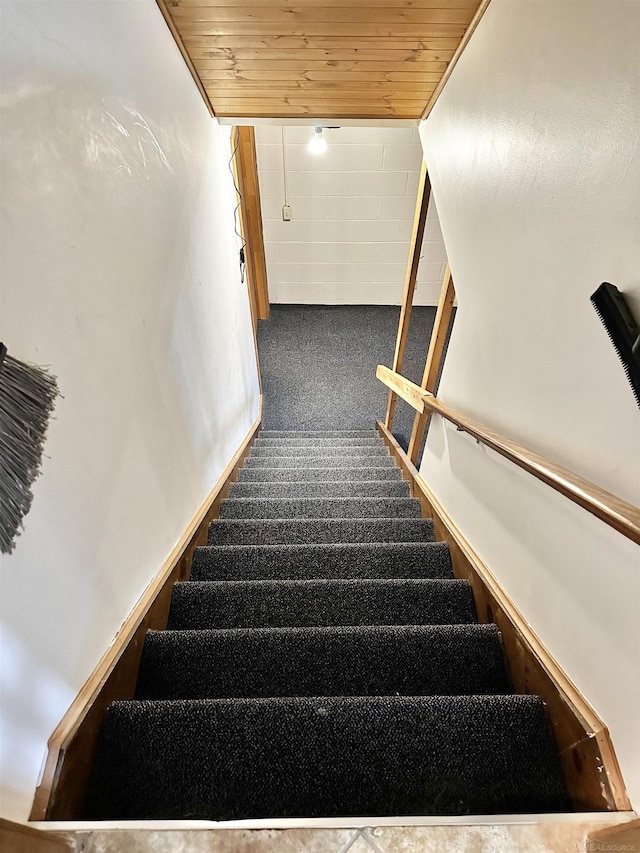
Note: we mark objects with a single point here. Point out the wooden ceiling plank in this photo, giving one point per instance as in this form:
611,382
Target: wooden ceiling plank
328,29
312,113
370,59
276,97
328,4
304,15
347,76
286,42
391,92
338,66
309,54
329,86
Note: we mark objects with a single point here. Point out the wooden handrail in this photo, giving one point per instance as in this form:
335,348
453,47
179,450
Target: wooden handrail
617,513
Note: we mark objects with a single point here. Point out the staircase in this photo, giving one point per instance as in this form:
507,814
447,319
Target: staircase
323,662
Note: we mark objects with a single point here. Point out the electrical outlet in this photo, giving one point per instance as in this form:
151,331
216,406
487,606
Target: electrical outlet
286,212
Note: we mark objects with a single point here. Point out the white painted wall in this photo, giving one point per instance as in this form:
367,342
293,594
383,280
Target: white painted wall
533,151
352,212
119,269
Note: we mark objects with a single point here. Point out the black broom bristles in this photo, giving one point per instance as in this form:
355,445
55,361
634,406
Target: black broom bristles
27,397
623,330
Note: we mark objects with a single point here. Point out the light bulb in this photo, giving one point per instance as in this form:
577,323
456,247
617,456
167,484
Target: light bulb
317,143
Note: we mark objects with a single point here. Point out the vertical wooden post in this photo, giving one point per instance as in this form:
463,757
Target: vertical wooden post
419,220
434,359
243,152
245,168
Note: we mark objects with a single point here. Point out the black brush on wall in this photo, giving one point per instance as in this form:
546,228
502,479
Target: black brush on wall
27,397
623,330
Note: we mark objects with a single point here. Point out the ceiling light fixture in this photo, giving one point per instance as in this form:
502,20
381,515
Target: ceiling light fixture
317,143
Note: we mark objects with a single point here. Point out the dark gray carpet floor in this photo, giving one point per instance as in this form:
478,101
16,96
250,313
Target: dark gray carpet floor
318,365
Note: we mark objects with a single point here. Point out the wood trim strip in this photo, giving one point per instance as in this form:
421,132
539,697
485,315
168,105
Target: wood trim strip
622,836
417,235
71,747
253,307
434,358
245,168
185,55
482,8
235,144
590,766
19,838
614,511
409,392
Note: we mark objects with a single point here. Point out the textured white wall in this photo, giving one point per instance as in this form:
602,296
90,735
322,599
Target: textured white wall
352,214
533,149
119,269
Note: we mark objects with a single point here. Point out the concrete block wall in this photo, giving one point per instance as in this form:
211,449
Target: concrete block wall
352,212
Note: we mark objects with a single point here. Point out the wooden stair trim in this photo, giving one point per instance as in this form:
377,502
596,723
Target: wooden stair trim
589,762
20,838
622,836
71,748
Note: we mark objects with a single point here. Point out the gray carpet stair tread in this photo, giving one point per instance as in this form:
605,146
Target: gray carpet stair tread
303,603
318,433
326,460
320,474
312,508
331,560
368,660
323,662
318,441
325,757
376,450
313,489
300,531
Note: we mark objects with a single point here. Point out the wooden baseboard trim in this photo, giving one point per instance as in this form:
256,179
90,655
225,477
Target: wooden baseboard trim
19,838
71,747
590,766
623,836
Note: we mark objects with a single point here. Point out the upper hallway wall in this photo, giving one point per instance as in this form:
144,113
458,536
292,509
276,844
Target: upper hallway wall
533,155
120,271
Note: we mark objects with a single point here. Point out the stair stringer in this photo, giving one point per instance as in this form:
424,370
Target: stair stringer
589,763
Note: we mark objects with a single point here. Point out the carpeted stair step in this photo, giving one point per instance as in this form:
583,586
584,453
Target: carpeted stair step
325,757
300,531
312,508
335,489
309,453
306,603
320,433
327,460
319,475
334,560
311,441
369,660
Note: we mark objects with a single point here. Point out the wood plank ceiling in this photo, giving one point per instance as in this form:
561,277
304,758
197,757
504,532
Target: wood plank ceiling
336,59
